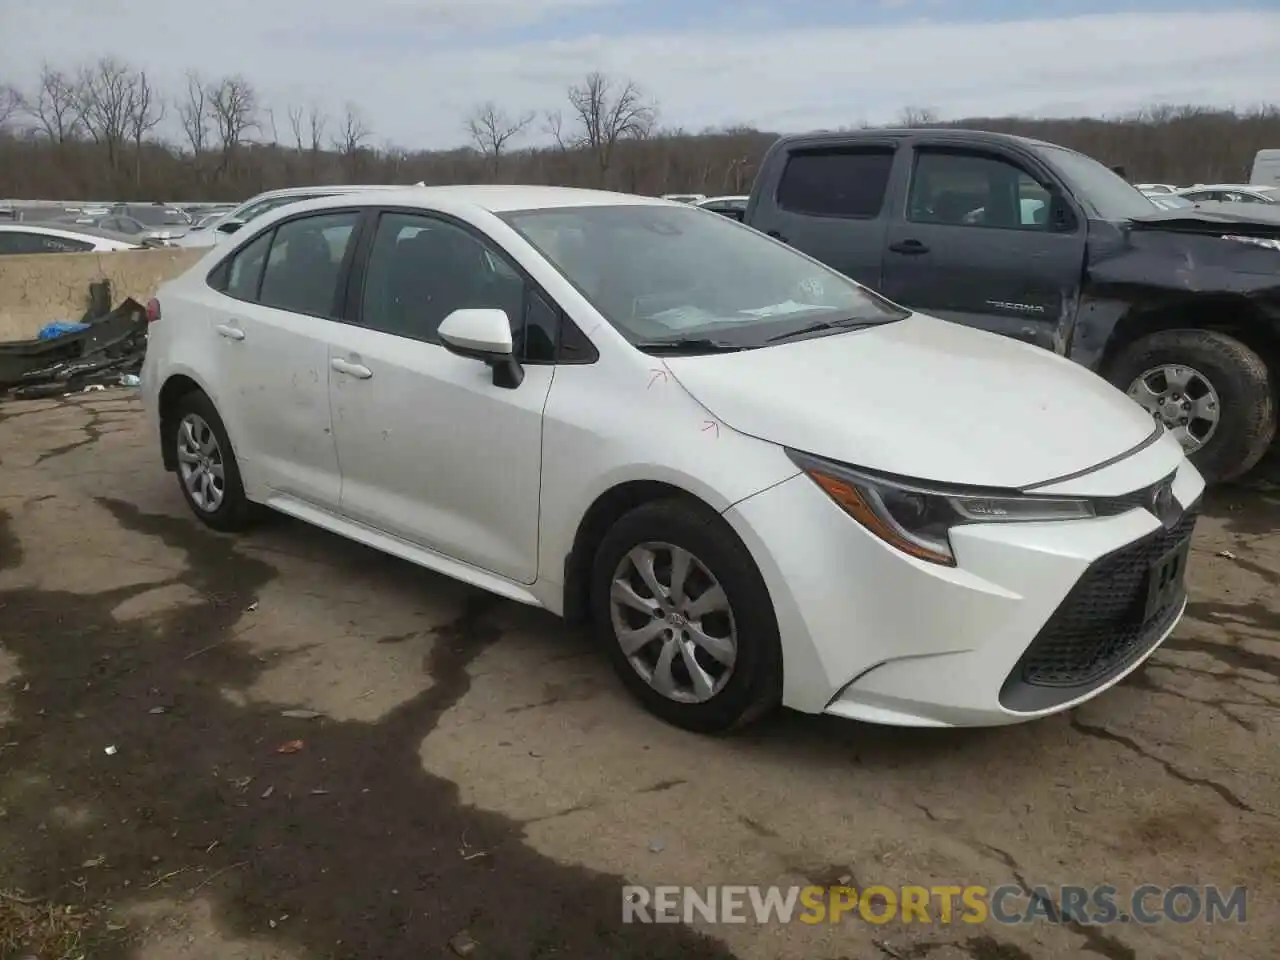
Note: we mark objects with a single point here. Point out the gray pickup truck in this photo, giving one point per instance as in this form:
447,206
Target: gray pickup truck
1179,308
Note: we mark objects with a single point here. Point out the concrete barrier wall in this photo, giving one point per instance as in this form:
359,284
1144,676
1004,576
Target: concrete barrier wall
37,288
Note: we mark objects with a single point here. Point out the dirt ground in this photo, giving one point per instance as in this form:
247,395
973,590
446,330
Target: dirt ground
475,782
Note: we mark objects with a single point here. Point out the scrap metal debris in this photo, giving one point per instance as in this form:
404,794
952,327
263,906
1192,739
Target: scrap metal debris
290,746
104,348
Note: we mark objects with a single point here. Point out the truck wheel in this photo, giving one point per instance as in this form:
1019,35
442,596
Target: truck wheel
1211,391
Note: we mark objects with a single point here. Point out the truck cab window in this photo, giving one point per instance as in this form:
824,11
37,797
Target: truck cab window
842,182
976,190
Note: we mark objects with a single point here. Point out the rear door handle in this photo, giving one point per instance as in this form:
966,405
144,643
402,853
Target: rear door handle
230,332
357,370
908,247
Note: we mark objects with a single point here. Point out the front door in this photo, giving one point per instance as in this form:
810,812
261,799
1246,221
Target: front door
431,450
278,298
975,245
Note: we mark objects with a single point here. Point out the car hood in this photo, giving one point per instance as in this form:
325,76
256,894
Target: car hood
1212,217
925,399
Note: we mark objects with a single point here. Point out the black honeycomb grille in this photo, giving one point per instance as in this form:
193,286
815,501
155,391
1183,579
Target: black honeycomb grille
1099,628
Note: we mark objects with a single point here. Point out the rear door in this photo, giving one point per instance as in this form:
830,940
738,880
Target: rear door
831,203
271,333
974,243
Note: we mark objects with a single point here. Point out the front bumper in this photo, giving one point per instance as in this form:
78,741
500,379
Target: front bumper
1034,619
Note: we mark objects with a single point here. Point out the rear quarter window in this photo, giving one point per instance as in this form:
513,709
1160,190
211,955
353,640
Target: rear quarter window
837,182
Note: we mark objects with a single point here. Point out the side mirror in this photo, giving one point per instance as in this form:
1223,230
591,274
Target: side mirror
485,335
1061,217
230,226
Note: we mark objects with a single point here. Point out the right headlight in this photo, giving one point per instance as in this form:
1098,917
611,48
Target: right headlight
916,518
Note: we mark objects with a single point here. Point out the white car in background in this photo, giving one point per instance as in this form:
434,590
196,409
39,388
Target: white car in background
1230,193
759,481
264,203
23,237
1157,188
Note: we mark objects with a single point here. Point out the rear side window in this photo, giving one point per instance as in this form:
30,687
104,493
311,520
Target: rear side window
847,182
240,275
304,263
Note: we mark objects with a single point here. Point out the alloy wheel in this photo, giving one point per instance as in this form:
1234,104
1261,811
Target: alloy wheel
200,463
673,621
1183,399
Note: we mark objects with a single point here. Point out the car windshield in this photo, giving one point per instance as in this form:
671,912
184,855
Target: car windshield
667,274
1111,195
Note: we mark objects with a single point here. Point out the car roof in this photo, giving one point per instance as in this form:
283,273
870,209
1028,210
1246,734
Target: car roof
500,198
324,189
74,231
820,137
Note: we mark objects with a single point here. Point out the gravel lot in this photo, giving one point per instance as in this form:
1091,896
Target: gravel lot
477,784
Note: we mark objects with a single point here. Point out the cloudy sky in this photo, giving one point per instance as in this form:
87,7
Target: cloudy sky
415,67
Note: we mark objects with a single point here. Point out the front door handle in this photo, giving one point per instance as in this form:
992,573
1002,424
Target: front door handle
357,370
230,332
909,247
777,235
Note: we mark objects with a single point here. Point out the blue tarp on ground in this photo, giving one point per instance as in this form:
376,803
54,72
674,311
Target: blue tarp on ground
60,328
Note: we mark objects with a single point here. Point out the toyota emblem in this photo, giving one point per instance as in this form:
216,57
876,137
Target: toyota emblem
1165,506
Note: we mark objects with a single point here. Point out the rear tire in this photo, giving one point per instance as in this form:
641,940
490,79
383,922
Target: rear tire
691,622
207,472
1246,422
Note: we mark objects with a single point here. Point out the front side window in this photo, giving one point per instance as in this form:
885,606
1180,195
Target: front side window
958,188
847,182
422,268
663,274
305,262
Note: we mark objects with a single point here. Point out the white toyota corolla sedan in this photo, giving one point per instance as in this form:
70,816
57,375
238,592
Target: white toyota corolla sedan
759,481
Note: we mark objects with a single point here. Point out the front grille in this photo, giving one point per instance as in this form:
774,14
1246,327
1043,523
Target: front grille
1098,630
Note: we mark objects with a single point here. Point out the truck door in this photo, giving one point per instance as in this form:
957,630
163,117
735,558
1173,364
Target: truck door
829,202
975,244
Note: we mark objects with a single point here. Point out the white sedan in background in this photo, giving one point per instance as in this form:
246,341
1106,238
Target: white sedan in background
20,238
759,481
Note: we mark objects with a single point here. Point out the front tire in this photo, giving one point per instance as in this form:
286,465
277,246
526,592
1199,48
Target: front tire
686,617
1210,389
207,472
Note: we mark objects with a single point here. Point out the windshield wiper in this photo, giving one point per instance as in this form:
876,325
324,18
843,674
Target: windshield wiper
820,326
687,345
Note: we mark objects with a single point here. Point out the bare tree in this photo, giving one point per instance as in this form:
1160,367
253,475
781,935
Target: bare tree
491,129
233,106
295,126
55,106
317,121
105,95
352,133
11,103
146,110
271,122
194,115
917,117
350,141
553,124
609,111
